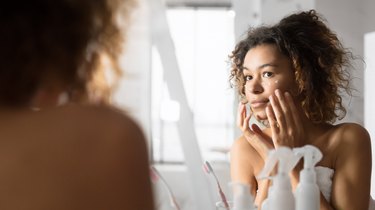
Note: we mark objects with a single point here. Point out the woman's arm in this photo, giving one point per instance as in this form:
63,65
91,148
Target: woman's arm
241,167
262,192
244,159
248,153
352,179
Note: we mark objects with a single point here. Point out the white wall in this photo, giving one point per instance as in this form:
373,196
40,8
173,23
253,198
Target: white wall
274,10
369,113
369,96
369,15
346,18
133,93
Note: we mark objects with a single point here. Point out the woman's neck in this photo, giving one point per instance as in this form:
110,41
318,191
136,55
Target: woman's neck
313,130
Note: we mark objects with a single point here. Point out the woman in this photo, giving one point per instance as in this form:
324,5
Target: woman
60,148
291,75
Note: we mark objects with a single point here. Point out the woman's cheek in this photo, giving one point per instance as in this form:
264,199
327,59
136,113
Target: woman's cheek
272,85
268,86
247,91
281,86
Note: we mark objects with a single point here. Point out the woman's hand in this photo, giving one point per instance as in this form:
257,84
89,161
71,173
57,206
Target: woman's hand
255,136
285,122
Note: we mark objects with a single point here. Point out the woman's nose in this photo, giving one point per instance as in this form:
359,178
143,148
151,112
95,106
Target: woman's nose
254,86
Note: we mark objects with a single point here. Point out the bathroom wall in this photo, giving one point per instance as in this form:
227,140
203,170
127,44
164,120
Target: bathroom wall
369,15
347,19
369,95
369,75
133,93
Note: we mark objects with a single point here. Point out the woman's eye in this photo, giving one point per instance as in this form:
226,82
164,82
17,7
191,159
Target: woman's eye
247,78
267,74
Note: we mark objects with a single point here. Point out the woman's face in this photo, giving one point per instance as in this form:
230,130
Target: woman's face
266,69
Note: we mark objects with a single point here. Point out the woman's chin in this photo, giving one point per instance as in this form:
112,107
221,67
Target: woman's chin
260,116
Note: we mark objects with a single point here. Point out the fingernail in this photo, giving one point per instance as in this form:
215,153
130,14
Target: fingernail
278,93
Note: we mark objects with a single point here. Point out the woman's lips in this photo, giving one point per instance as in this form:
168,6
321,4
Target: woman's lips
259,103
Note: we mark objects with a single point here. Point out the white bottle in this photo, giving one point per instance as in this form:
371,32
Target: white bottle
242,198
307,191
280,195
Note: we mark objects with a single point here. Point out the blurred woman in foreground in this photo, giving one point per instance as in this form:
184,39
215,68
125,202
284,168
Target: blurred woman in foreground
61,147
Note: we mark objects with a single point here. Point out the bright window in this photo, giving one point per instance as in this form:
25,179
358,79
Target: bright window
203,39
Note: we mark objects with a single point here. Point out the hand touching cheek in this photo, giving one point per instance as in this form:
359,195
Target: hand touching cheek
255,136
284,119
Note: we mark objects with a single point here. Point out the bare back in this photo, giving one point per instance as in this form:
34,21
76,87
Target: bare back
72,158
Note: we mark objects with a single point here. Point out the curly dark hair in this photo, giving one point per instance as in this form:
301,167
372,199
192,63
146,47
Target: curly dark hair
320,62
64,39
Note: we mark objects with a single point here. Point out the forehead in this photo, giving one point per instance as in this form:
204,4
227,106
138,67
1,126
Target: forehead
264,54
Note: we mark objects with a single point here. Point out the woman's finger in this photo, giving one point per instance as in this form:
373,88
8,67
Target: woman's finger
260,133
246,123
272,120
240,114
289,120
277,112
259,141
290,102
243,118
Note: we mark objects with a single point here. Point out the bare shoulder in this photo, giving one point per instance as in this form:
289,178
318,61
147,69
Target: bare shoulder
72,122
99,122
352,141
352,165
242,148
352,134
102,115
107,127
95,129
245,157
121,148
96,152
245,163
239,144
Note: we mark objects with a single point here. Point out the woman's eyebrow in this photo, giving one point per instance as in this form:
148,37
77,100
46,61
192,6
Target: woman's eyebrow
260,67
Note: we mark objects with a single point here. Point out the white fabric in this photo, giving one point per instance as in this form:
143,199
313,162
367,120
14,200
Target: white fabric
324,177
